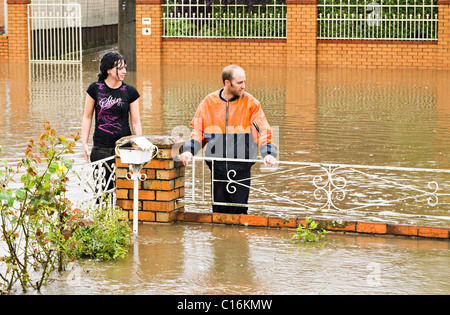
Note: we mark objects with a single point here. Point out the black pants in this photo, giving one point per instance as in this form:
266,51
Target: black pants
224,191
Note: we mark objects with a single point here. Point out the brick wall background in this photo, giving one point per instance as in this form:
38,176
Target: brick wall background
378,54
18,30
205,52
301,48
4,48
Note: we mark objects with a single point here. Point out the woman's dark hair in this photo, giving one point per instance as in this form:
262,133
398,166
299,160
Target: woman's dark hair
109,61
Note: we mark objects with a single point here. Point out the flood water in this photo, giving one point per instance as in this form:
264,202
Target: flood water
385,118
215,259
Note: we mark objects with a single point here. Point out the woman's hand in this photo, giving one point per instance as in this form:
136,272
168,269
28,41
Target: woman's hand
86,152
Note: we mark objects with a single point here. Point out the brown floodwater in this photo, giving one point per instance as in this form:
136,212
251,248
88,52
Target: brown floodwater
217,259
395,118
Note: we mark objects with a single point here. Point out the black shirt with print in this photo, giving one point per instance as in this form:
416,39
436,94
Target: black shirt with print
112,107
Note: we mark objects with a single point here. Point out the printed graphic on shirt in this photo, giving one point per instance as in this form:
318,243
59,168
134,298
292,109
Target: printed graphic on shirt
107,119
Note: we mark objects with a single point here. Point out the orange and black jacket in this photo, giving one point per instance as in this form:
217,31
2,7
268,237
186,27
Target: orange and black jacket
232,129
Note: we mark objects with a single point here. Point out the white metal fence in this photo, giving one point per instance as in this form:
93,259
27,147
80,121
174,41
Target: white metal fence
95,183
378,19
333,191
54,32
415,20
198,19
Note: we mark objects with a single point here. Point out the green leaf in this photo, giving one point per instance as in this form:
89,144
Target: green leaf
20,194
67,163
52,168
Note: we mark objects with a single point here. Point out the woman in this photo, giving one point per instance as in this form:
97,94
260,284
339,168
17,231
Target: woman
114,103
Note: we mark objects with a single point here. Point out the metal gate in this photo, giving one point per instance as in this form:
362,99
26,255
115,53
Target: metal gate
54,32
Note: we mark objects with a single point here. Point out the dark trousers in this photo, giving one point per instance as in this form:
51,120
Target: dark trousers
224,191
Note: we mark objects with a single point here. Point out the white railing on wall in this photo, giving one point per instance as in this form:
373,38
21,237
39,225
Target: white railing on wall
215,19
415,20
341,191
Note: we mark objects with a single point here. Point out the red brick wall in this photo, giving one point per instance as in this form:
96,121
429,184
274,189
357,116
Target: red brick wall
300,47
149,47
443,54
329,225
205,52
301,32
391,54
378,54
18,30
4,48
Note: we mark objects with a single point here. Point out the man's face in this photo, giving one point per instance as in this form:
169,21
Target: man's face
237,85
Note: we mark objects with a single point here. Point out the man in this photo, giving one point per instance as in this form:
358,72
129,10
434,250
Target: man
233,125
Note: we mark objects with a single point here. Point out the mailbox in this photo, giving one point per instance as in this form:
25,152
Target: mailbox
136,150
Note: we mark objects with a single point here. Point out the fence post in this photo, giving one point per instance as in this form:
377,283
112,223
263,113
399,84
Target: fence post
149,31
301,33
159,193
18,29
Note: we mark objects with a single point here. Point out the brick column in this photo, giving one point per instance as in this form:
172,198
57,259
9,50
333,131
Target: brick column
444,34
301,41
18,29
149,44
159,193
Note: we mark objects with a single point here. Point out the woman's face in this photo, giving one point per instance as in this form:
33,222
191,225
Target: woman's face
119,71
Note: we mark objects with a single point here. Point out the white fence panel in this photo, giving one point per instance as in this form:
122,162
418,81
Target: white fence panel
198,19
413,20
54,32
332,191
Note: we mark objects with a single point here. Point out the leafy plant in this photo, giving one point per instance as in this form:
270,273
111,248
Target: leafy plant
99,232
309,233
33,217
39,227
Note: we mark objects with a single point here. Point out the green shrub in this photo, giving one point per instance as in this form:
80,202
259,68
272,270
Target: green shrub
39,227
309,233
99,232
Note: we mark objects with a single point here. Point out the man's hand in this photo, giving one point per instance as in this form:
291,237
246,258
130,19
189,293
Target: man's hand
270,160
186,157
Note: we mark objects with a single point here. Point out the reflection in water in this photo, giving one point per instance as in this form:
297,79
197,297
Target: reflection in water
216,259
398,118
394,118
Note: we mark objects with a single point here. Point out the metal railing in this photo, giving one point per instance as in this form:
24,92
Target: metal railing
199,19
412,20
337,190
94,183
54,32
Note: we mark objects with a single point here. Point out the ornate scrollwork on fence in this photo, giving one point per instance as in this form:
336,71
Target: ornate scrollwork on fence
94,181
339,188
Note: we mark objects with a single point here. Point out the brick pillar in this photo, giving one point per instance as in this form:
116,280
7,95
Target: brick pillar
444,33
18,29
301,41
159,193
149,44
